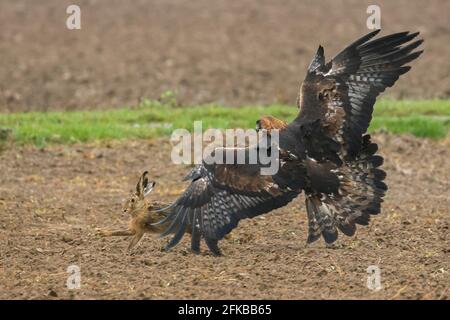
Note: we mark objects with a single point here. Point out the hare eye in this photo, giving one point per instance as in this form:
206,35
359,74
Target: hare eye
132,200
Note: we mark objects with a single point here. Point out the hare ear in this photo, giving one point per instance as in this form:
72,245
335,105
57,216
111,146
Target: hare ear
142,185
149,188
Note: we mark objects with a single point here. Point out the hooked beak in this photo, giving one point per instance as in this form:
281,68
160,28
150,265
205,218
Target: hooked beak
258,125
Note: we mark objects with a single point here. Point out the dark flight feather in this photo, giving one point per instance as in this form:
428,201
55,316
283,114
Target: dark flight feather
324,152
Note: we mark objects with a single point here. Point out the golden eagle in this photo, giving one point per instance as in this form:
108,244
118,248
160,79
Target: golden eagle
324,152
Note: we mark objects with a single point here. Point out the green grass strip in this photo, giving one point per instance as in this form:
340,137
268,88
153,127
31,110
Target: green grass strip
429,118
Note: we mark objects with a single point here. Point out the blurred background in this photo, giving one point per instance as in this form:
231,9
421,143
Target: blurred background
227,52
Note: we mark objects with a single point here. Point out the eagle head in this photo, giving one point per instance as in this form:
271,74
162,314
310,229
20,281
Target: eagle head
269,123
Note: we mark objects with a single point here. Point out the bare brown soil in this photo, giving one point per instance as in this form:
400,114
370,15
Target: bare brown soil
52,201
231,52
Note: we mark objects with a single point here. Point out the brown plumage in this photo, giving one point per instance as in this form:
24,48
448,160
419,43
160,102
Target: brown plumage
270,123
323,152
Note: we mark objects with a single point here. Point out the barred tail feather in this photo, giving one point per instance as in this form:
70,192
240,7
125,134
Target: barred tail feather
360,195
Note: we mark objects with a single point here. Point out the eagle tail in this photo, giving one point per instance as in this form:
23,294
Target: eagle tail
360,195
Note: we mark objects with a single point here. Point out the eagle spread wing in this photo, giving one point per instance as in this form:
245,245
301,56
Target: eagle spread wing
222,194
324,152
341,93
336,103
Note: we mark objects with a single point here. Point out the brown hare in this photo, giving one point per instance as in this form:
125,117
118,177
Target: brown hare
143,213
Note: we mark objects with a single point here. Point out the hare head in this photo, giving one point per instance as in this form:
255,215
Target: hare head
136,201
